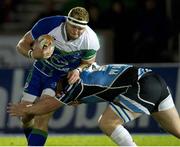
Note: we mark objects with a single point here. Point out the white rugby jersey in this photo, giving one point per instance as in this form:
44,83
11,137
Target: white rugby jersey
67,54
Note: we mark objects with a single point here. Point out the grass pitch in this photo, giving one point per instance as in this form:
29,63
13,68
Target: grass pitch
93,140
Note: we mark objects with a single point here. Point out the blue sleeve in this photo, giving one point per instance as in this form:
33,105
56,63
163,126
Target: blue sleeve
45,25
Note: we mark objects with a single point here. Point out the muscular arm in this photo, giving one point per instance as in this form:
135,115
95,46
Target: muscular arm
43,106
24,45
37,52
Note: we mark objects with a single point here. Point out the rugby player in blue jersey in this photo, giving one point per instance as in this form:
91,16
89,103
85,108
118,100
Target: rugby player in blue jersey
74,46
131,92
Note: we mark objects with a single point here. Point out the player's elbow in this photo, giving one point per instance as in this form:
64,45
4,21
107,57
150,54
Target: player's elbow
19,47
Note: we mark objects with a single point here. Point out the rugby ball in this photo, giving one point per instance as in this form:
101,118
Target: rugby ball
45,41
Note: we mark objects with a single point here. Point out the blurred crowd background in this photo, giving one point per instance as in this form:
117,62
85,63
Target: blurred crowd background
140,31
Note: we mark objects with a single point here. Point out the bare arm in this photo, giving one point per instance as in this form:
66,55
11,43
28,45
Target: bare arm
43,106
24,45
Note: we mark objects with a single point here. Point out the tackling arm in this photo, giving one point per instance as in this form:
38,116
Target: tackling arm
43,106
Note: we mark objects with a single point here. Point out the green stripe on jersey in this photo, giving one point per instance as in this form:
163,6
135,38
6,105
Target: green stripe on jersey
88,54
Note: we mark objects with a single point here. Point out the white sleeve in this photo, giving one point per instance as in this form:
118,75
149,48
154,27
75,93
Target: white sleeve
91,40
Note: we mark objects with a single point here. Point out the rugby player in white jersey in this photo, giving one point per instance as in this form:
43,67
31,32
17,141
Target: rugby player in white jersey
74,46
131,92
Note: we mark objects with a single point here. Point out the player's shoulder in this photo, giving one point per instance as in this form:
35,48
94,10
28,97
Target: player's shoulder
53,19
90,33
91,39
46,24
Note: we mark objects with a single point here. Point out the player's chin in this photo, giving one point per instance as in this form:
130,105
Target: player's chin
73,37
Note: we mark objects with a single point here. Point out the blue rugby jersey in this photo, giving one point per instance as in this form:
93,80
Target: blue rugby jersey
102,83
127,88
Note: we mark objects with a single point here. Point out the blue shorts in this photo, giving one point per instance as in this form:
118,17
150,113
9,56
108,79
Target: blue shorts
38,84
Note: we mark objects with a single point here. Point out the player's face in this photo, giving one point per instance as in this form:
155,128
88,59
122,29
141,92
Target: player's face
74,32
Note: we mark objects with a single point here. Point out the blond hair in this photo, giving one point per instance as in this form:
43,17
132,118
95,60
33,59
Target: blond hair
79,13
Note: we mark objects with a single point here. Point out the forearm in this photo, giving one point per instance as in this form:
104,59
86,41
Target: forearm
24,45
43,106
85,64
23,48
